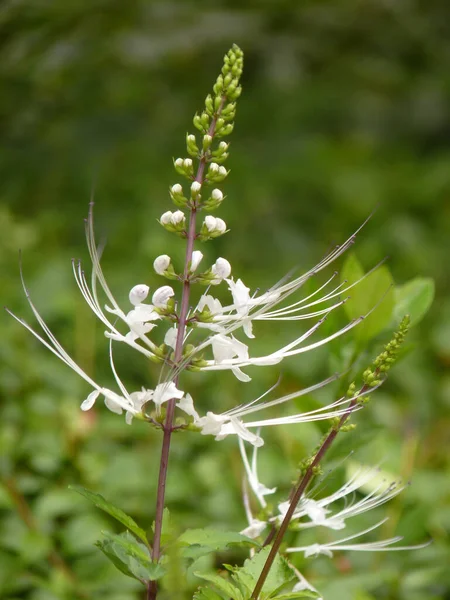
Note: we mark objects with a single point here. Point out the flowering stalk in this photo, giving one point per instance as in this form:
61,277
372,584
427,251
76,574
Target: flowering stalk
225,94
371,379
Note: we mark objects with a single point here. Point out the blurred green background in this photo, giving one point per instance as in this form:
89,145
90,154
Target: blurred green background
346,109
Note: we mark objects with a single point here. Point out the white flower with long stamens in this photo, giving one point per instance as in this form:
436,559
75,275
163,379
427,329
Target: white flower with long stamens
317,510
380,546
234,422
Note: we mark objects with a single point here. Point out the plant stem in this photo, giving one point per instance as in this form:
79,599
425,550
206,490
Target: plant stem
297,494
182,319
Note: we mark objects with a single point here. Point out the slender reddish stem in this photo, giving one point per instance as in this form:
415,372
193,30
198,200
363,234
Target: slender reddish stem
277,536
152,589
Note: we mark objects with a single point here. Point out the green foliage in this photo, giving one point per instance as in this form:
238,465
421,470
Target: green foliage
372,298
198,542
414,298
114,511
243,581
130,557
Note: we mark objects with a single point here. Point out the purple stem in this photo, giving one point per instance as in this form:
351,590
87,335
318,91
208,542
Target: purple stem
152,589
297,494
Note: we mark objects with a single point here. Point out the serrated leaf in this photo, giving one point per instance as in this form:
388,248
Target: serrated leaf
206,594
197,542
224,585
135,556
107,550
117,513
414,298
373,293
279,575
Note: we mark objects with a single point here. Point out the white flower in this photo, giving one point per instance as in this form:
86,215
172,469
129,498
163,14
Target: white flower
161,263
196,186
186,404
196,258
223,171
217,195
162,296
213,304
330,547
179,162
223,425
138,294
187,163
226,348
221,269
213,168
191,138
234,421
165,392
255,529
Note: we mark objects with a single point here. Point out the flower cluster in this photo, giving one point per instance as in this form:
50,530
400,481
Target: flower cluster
331,512
220,324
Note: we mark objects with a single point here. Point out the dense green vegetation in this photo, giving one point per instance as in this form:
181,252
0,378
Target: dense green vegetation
345,110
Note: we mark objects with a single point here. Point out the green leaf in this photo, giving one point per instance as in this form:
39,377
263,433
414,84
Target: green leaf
414,298
222,584
133,555
374,290
206,594
106,548
197,542
279,575
112,510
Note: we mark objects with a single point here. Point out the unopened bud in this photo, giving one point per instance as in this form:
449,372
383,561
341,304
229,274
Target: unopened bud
162,296
221,269
196,258
138,294
161,264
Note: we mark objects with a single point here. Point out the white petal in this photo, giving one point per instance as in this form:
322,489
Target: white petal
186,404
138,294
170,339
90,400
162,296
241,375
255,529
165,392
161,263
196,258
